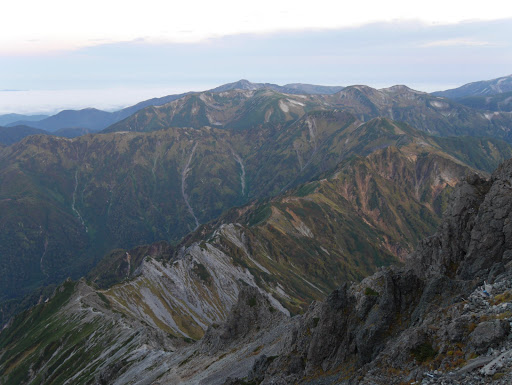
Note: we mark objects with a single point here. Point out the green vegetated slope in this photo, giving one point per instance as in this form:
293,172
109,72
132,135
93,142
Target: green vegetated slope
233,109
64,203
324,197
368,211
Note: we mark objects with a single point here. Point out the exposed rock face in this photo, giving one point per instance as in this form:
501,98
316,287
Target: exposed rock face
491,238
443,252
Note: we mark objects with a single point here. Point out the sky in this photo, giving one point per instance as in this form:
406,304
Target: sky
57,54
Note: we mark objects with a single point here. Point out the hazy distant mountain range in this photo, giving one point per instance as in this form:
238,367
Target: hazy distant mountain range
12,118
10,135
294,88
93,119
96,120
480,88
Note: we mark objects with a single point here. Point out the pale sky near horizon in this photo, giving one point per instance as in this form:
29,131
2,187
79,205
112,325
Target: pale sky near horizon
109,54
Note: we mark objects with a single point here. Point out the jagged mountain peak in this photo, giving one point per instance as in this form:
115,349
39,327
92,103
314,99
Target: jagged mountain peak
401,88
358,87
243,84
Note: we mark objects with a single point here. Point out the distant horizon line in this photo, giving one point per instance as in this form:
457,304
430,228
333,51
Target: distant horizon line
89,98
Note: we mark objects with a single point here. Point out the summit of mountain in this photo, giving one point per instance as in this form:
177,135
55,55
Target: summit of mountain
292,88
399,89
242,84
311,89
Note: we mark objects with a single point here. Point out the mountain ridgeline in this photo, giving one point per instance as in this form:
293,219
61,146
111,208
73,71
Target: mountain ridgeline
95,120
394,102
243,109
490,95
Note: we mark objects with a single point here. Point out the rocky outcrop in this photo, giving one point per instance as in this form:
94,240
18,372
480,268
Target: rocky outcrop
442,253
252,313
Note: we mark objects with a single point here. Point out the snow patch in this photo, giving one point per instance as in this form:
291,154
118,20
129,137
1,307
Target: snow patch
438,104
283,106
295,102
